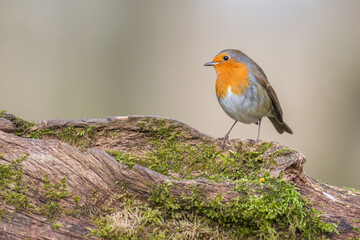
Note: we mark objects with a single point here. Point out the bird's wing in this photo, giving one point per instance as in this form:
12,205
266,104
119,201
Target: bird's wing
261,77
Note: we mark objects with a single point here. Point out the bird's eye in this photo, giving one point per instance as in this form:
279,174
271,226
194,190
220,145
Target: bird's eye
226,58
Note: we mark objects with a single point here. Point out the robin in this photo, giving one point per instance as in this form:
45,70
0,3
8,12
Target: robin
244,92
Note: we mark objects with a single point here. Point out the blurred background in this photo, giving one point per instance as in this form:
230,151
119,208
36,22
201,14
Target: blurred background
93,59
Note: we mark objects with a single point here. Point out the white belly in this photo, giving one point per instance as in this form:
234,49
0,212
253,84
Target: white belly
247,108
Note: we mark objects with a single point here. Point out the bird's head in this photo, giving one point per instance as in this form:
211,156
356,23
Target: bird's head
227,60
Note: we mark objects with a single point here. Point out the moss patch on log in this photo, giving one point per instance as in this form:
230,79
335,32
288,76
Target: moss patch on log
77,137
13,192
171,155
266,208
21,126
279,213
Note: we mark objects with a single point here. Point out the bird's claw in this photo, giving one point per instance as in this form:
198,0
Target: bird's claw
225,139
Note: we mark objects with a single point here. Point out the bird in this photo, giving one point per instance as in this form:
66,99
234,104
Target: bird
244,92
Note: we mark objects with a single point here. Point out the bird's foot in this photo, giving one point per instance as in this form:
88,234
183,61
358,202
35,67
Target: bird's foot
225,139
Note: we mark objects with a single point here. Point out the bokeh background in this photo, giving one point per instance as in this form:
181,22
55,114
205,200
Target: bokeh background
93,59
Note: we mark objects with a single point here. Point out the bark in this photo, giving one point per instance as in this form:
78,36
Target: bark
94,169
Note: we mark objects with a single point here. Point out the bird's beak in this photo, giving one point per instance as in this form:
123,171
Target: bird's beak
210,64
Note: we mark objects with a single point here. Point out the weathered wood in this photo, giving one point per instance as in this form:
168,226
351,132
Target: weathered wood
6,125
94,169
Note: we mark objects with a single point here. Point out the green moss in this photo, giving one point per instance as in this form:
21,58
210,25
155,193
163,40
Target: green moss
136,220
56,225
77,200
356,228
278,213
52,195
282,151
21,126
77,137
12,190
350,189
96,192
265,208
123,157
112,135
169,154
158,128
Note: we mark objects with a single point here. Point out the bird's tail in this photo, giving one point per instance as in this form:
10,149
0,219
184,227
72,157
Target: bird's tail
280,127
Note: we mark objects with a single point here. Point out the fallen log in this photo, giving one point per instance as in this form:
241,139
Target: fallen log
62,178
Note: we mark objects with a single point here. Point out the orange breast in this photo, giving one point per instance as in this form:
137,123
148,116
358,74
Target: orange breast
231,74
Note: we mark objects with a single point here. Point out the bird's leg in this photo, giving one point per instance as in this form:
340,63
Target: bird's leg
226,137
259,125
